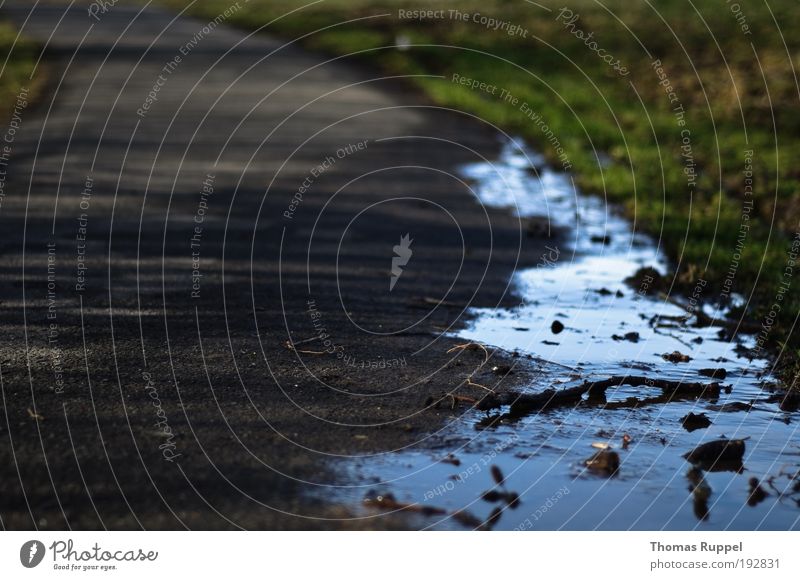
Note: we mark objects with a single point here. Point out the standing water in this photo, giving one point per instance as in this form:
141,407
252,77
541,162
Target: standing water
605,327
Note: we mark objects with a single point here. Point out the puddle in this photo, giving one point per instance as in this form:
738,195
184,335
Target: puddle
542,455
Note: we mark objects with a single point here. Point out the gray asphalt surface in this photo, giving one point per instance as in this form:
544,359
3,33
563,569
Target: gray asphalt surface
156,260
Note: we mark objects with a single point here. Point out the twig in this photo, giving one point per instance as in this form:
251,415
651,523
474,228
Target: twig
675,387
472,346
486,356
471,383
703,319
291,346
523,403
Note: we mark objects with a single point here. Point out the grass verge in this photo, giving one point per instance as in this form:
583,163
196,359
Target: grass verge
18,57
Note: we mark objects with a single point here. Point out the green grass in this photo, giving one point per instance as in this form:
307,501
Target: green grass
726,81
17,60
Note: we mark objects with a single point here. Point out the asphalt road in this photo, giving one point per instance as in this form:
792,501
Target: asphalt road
181,201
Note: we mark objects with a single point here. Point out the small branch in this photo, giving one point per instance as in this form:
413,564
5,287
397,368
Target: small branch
523,403
703,319
698,389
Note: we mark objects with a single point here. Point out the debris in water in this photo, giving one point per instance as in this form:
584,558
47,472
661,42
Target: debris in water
734,407
494,495
497,475
626,440
698,483
788,401
726,450
452,460
489,422
604,462
645,280
694,421
718,373
701,492
556,327
488,402
629,336
387,501
676,357
538,228
467,519
376,498
757,493
675,387
493,518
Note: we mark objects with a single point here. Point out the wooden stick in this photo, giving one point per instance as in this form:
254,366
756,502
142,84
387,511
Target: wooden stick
525,403
698,389
522,403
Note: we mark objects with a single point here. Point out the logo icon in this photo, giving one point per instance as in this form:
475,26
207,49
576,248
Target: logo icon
403,254
31,553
